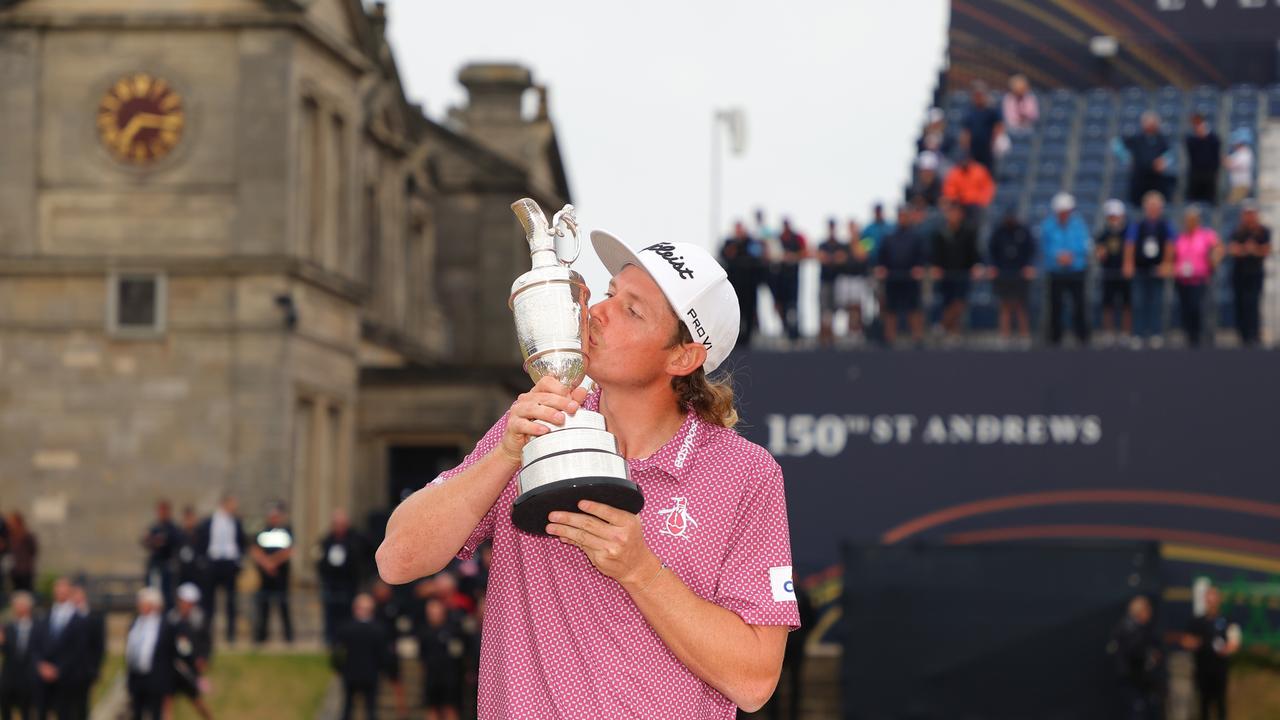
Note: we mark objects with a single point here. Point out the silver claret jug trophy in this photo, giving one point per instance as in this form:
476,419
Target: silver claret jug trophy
578,460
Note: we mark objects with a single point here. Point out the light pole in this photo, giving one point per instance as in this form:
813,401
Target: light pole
735,120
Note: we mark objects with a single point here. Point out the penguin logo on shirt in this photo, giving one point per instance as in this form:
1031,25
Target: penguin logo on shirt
676,519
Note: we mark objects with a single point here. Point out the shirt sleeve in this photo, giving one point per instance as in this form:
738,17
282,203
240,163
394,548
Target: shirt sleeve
756,580
484,530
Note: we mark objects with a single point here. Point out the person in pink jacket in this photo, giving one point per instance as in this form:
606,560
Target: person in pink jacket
1021,109
1193,255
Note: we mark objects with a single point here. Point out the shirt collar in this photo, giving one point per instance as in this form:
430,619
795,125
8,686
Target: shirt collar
675,457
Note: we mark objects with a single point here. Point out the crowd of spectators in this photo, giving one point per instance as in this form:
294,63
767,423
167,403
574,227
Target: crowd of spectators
1140,272
50,660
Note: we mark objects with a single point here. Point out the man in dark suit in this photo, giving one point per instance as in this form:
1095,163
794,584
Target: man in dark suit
221,539
359,655
96,625
339,568
148,657
17,648
62,657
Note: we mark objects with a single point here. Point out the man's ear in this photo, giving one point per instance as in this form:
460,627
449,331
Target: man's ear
686,358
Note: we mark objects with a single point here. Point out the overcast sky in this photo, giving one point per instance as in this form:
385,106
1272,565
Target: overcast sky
834,94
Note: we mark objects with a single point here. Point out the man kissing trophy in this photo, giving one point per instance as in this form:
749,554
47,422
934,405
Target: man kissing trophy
578,460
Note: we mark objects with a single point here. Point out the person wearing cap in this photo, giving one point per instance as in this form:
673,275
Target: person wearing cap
1150,237
1012,250
1239,164
191,648
1115,262
1194,255
1065,240
935,138
680,611
900,268
271,552
1249,246
927,184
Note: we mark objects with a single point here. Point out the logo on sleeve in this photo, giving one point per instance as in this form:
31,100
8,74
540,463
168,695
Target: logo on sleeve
784,588
676,519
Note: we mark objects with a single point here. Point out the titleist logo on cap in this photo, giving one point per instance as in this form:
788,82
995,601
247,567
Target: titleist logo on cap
667,252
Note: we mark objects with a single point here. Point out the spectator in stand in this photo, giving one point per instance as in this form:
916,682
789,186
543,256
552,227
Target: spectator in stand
1065,239
1021,109
1150,236
1115,262
1150,157
23,549
953,259
853,288
794,249
272,550
441,648
388,614
161,542
1214,641
876,230
338,565
1249,247
935,139
1013,251
900,267
982,129
771,275
927,183
221,539
1135,655
1240,166
743,260
833,257
1204,158
359,655
1194,255
970,185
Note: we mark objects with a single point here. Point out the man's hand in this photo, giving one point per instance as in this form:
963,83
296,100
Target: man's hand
549,400
612,539
1065,258
48,672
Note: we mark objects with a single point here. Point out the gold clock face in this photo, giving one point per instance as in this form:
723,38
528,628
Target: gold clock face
140,119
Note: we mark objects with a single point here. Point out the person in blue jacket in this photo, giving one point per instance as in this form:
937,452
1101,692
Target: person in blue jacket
1065,240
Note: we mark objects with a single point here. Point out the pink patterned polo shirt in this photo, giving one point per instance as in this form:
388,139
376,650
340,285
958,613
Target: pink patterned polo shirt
561,641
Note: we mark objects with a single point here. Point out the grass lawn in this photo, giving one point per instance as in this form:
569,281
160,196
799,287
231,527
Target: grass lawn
252,686
1254,692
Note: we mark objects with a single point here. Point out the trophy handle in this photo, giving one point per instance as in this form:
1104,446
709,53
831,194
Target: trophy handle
565,225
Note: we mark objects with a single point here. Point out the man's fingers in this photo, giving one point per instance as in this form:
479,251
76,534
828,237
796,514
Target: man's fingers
582,522
607,513
549,384
577,536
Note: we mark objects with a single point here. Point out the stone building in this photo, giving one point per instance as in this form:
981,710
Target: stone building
234,257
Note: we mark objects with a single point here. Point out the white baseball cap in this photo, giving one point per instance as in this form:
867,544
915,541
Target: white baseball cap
1063,202
928,160
1114,208
188,592
693,282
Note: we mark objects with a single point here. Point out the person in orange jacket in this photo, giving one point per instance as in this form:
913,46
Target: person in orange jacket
970,185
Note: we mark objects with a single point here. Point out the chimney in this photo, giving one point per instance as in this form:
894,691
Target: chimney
496,92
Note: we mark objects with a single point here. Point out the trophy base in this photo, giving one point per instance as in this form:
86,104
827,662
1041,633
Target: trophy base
530,510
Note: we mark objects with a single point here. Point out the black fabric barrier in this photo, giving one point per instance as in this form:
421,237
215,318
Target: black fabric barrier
987,632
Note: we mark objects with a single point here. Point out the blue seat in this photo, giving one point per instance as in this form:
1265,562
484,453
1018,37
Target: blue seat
1133,94
1273,101
1091,168
1094,130
1092,149
1053,149
1056,131
1011,170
